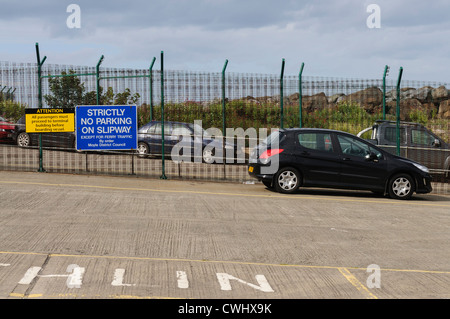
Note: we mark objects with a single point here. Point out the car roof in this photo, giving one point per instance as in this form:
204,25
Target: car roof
384,122
306,129
169,122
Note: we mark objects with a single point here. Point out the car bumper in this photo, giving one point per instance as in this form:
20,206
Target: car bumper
423,184
6,137
255,172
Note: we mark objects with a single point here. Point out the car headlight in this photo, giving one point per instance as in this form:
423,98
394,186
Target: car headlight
421,167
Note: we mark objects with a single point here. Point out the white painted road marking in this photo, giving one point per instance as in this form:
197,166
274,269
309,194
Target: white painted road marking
118,278
224,281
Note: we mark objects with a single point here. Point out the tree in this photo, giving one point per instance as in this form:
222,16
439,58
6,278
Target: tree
68,91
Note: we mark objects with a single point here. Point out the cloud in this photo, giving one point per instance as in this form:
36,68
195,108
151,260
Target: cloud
331,37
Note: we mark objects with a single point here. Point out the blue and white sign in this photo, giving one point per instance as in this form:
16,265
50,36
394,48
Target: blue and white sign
111,127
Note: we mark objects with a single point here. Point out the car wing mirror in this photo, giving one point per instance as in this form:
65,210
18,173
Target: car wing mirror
437,143
371,157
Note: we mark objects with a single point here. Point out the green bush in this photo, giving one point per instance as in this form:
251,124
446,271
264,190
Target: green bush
11,111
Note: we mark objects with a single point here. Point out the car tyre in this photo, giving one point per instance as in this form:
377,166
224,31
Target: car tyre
23,140
268,184
208,155
401,186
287,180
143,149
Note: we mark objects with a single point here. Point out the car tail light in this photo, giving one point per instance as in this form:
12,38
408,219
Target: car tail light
270,153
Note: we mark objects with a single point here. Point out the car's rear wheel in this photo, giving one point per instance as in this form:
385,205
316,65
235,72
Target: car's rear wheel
143,149
23,140
401,186
287,180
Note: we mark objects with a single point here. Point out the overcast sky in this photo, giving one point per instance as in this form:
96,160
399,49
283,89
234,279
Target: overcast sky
332,38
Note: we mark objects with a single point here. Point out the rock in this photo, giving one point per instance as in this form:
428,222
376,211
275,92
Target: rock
315,102
423,94
407,93
440,94
334,98
294,97
444,110
369,98
406,106
391,95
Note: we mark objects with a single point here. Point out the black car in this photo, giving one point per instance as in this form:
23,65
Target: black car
51,140
290,158
193,143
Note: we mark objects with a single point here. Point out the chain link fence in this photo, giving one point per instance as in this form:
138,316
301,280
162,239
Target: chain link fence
255,103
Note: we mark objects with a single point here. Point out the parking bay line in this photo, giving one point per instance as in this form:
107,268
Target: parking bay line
356,283
226,194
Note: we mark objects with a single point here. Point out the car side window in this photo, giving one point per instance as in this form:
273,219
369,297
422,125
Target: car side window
420,137
151,129
157,129
180,129
352,146
316,141
390,135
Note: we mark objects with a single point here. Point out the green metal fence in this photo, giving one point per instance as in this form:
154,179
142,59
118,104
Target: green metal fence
222,100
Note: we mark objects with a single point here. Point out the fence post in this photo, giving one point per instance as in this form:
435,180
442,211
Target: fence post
163,175
300,96
150,77
224,120
386,72
40,63
281,94
97,75
398,110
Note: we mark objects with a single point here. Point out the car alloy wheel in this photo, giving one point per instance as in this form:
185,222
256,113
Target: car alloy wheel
401,186
208,156
287,180
23,140
142,149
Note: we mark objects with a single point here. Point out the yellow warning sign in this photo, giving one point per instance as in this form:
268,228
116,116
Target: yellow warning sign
49,120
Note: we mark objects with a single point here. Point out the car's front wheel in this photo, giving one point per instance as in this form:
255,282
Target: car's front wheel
287,180
401,186
23,140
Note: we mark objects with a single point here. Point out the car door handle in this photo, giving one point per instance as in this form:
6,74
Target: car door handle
304,153
346,159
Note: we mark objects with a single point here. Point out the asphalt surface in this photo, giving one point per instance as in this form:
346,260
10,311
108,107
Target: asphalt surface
71,236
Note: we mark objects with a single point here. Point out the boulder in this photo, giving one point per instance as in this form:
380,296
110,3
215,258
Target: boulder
315,102
407,93
294,97
334,98
406,106
444,110
439,94
423,94
369,98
